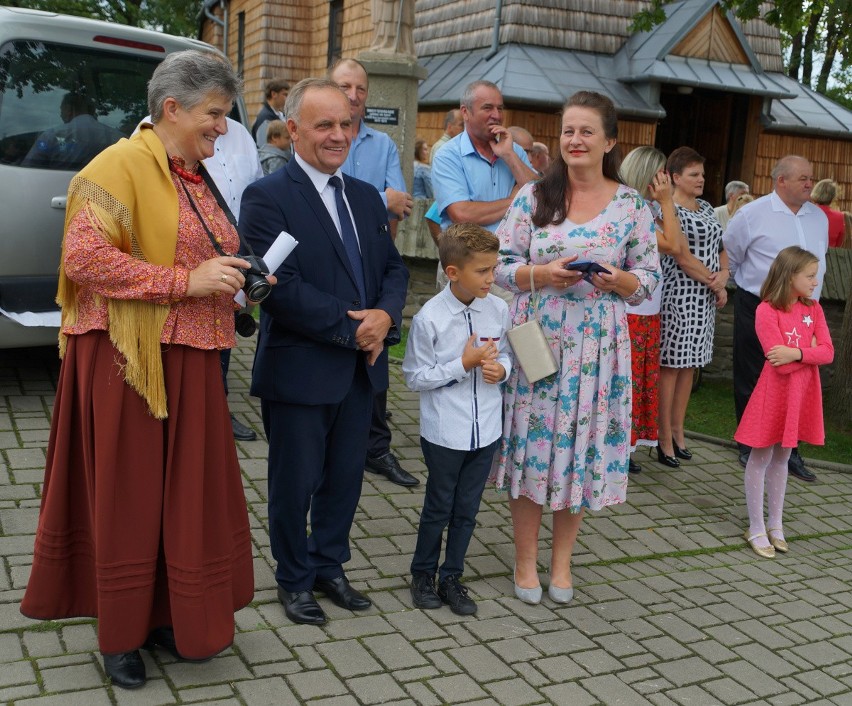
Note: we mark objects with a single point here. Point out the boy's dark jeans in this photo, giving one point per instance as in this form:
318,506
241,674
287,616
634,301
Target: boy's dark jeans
453,491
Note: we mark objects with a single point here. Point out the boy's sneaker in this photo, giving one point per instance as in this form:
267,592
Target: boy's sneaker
454,594
423,592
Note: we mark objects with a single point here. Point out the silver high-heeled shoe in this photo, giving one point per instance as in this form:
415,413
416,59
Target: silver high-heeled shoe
526,595
560,595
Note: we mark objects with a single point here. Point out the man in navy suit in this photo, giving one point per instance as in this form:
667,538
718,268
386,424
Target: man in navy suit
321,349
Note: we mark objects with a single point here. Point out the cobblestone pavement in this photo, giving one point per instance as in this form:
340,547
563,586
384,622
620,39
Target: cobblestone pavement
670,606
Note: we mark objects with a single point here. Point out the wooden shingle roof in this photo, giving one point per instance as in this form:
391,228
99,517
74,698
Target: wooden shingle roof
595,26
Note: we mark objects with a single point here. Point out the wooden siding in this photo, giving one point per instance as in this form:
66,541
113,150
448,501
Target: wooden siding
714,39
831,159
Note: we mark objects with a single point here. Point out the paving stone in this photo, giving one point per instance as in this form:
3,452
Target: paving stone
395,652
559,668
611,690
10,648
217,670
765,660
261,646
665,648
316,683
207,693
375,689
752,678
569,695
456,688
71,678
91,697
348,658
513,692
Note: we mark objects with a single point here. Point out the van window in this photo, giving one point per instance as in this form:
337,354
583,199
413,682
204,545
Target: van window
61,105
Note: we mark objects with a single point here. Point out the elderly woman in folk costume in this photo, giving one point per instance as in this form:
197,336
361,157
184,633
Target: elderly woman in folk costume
143,520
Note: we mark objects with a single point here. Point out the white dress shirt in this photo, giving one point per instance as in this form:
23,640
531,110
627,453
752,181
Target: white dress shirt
458,409
763,228
234,164
321,180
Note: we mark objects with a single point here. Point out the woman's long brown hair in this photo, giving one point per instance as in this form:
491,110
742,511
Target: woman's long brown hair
554,190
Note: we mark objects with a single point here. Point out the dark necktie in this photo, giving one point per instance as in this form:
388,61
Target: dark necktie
350,240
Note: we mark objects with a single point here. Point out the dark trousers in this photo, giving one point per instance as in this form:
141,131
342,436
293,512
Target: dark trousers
748,354
316,466
380,433
453,492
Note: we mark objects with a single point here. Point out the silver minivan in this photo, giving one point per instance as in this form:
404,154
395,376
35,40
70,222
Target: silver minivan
68,88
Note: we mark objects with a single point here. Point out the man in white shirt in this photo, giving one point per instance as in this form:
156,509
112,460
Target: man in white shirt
733,190
753,239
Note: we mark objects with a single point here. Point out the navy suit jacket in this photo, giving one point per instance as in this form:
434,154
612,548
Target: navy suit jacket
306,350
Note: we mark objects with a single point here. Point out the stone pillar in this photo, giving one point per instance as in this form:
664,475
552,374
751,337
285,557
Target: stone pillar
394,80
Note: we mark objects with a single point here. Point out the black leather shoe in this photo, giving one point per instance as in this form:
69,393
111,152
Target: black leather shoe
633,467
342,594
423,593
679,452
126,670
796,467
389,467
743,457
241,431
388,414
301,607
164,637
454,593
669,461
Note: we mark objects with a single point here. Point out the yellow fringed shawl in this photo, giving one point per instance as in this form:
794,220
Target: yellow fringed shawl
128,193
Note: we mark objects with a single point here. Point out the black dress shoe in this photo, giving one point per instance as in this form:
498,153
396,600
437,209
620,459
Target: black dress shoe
679,452
241,431
796,467
126,670
669,461
301,607
743,457
389,467
633,467
342,594
164,637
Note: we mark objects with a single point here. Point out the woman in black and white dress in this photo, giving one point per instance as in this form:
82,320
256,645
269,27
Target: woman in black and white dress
689,302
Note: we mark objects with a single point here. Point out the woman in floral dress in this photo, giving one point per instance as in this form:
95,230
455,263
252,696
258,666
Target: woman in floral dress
566,438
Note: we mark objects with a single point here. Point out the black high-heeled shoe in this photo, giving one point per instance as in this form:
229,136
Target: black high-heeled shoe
683,453
669,461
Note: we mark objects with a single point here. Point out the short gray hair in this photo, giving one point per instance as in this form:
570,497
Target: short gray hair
784,165
467,97
293,106
190,76
732,187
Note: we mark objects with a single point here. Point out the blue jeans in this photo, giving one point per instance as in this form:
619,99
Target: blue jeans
453,492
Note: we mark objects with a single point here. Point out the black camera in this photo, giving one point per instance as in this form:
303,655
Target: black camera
257,288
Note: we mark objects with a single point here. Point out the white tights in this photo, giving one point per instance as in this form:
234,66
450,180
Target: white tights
769,463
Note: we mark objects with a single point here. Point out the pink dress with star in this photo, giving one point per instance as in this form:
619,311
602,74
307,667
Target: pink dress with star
786,405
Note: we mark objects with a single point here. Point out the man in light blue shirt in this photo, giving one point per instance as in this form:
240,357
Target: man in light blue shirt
476,174
374,158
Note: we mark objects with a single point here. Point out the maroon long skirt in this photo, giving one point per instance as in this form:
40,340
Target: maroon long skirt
143,522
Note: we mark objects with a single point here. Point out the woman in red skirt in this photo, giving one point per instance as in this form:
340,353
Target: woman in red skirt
143,520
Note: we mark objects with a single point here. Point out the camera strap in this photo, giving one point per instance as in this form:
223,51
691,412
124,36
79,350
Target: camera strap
222,204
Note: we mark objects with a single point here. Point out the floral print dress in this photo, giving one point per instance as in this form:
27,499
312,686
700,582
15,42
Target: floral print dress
566,438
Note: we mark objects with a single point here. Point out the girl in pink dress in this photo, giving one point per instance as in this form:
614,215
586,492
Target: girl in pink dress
786,405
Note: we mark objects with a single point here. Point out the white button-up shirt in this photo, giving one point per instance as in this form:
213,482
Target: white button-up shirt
763,228
458,409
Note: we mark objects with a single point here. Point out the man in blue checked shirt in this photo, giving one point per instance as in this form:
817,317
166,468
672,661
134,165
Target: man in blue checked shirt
374,158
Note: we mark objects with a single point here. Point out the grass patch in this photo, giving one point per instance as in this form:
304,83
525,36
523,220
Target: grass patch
711,411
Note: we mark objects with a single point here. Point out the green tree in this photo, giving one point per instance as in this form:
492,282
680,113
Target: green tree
171,16
814,33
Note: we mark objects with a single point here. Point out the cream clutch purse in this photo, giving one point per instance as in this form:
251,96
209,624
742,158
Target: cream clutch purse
530,346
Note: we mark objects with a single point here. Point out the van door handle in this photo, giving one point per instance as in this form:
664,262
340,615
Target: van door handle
59,202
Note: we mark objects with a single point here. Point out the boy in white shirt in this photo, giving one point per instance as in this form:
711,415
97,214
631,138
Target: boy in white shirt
456,356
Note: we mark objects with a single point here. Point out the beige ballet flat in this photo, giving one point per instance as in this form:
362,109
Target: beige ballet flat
765,552
780,544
